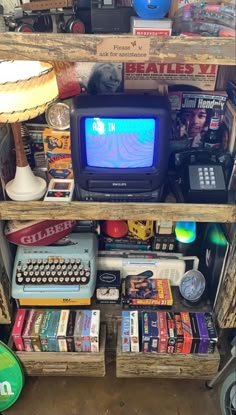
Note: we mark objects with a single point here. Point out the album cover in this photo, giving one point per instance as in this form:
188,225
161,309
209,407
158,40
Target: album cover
197,118
88,77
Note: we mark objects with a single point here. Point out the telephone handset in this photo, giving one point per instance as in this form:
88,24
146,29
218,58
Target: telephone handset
200,176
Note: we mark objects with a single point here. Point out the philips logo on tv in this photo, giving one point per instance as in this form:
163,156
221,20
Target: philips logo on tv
116,184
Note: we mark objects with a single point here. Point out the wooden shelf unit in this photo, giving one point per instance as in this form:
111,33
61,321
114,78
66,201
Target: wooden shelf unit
86,48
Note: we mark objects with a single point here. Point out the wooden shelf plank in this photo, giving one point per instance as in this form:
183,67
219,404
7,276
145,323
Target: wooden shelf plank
70,47
105,211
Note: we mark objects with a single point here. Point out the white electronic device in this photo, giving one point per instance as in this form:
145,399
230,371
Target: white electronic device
60,190
171,266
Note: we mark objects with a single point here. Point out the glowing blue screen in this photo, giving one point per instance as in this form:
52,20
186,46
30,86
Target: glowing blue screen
120,142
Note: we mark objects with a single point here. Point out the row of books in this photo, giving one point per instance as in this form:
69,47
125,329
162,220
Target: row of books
56,330
168,332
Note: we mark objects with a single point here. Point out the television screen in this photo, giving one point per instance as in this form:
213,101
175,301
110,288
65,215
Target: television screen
120,142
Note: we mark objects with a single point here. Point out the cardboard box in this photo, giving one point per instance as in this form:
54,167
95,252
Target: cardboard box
143,27
18,329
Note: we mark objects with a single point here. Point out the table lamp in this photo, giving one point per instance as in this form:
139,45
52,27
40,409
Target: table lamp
26,90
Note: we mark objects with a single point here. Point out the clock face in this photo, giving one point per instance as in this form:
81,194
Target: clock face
192,285
58,116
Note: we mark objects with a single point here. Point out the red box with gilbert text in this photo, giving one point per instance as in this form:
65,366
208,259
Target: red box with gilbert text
187,332
18,329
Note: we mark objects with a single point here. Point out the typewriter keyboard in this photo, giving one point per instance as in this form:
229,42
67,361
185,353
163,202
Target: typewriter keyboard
53,271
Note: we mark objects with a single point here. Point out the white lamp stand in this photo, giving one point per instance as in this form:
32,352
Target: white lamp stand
26,186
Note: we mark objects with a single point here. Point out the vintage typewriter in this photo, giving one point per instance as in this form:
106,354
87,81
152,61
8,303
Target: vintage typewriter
59,274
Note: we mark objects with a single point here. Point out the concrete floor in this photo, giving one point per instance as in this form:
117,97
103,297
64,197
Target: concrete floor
112,396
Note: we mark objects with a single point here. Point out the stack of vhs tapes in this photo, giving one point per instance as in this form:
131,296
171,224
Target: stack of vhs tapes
184,332
169,332
130,331
56,330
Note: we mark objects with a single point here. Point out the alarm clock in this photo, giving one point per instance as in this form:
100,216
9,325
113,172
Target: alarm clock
192,287
58,116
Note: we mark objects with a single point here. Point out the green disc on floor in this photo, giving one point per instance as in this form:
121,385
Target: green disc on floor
11,377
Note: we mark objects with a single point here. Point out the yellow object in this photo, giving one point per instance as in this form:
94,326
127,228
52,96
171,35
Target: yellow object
143,229
47,302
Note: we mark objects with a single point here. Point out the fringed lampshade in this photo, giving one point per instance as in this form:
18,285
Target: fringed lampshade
26,90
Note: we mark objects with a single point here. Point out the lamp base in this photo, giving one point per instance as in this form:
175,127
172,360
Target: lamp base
26,186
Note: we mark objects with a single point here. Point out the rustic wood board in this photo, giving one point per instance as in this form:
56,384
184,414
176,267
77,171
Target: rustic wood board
106,210
225,307
163,365
72,48
65,364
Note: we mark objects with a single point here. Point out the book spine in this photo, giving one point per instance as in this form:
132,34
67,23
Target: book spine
187,331
203,333
179,333
163,333
85,335
28,330
94,331
196,334
78,330
70,332
17,329
171,332
125,331
134,332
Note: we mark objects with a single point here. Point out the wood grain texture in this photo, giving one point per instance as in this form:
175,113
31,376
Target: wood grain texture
161,365
72,48
65,364
225,307
105,211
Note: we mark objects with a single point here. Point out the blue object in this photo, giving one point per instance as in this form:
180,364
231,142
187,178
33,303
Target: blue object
120,142
185,232
151,9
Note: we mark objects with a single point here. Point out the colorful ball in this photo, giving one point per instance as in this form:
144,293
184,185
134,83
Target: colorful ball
151,9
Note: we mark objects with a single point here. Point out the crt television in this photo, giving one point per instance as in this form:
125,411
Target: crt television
120,146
